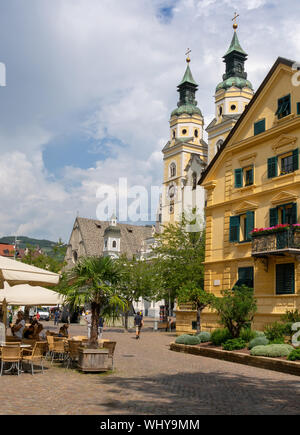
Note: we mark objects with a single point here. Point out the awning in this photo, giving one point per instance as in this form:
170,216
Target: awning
25,294
16,272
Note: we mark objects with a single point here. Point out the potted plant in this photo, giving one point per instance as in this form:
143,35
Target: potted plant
93,281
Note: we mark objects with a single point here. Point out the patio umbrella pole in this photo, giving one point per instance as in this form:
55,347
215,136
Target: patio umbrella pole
4,311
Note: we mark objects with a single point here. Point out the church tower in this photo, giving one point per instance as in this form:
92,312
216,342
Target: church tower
112,239
231,97
186,143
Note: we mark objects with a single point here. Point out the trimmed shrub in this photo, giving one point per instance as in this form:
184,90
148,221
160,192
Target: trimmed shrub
272,350
204,337
180,339
234,344
247,335
275,331
294,355
187,339
258,341
219,336
191,340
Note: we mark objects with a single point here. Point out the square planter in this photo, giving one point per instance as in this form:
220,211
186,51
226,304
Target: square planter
93,360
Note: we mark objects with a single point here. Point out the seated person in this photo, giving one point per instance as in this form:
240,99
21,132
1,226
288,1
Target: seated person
39,333
18,328
29,332
63,332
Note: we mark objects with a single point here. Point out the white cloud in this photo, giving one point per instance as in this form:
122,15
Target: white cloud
109,69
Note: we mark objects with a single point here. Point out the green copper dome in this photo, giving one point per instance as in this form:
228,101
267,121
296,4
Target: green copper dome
189,109
187,95
238,82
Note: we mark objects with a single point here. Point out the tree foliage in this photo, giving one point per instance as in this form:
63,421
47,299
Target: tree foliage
53,262
236,309
136,280
179,256
94,280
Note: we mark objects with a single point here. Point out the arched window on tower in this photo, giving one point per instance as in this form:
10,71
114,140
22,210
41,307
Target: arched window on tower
114,244
194,180
218,145
172,170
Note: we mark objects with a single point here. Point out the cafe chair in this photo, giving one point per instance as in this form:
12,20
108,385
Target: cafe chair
36,354
73,352
59,350
13,355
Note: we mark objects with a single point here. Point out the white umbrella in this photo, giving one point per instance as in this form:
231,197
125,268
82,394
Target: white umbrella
25,294
16,272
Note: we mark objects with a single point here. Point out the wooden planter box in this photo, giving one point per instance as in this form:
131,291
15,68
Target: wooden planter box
93,360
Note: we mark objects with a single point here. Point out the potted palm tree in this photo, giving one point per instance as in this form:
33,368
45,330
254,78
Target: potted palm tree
93,281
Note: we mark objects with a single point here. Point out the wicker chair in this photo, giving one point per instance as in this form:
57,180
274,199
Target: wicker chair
110,345
58,350
37,354
50,341
11,354
73,353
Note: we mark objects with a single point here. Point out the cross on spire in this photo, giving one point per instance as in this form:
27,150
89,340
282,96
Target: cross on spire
187,54
235,25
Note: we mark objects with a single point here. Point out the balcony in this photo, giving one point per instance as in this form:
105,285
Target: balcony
277,242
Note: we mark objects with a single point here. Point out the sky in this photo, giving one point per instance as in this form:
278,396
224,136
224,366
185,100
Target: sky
90,85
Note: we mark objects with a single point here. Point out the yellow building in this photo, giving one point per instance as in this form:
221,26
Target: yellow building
254,182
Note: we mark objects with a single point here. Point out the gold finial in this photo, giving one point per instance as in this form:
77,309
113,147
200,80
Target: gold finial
187,54
235,25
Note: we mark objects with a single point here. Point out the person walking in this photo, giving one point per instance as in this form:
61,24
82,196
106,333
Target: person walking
56,317
100,328
88,319
139,323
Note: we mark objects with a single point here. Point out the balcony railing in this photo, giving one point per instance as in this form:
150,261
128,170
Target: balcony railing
278,242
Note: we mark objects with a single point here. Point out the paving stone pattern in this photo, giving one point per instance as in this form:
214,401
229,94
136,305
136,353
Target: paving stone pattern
151,379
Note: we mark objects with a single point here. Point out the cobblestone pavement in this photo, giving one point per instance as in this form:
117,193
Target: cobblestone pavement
150,379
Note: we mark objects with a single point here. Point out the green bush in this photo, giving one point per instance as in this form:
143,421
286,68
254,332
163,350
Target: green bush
275,331
219,336
187,339
294,355
204,337
272,350
191,340
234,344
258,341
247,335
291,316
180,339
277,341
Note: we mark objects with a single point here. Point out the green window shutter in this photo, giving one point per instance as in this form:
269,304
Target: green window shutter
298,108
285,278
272,167
296,159
259,127
251,176
234,229
249,224
294,213
238,177
273,217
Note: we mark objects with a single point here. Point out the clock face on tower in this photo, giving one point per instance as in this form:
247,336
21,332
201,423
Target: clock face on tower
171,191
